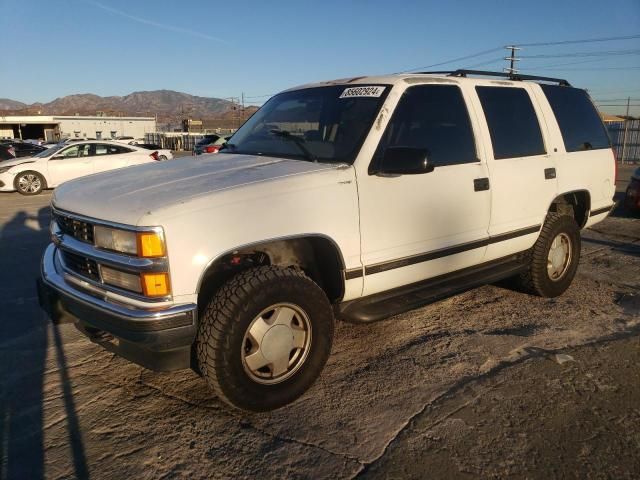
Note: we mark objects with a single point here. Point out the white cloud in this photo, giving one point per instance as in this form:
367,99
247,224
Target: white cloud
146,21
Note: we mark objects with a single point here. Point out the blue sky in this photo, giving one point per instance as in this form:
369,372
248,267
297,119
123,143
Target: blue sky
220,49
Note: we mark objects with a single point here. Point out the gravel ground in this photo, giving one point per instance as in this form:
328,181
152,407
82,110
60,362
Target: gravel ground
470,386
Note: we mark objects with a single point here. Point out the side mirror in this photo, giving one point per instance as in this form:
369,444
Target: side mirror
405,161
57,157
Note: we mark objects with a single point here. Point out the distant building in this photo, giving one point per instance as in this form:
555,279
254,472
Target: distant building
606,118
57,127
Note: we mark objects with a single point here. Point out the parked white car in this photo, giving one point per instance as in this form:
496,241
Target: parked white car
62,162
358,199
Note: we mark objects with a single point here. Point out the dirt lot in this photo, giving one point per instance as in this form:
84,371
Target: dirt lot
490,383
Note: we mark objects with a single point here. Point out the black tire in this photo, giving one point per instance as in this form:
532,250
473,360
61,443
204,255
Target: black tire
536,279
162,158
35,185
224,324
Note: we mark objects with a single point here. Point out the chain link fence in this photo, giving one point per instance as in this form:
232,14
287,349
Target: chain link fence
625,138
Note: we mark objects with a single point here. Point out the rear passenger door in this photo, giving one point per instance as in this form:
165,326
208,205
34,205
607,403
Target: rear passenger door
585,160
108,157
415,227
522,172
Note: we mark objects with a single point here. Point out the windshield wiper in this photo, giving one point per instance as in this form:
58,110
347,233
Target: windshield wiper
299,141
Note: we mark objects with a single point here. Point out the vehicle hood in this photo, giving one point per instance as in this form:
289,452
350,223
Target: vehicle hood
17,161
126,195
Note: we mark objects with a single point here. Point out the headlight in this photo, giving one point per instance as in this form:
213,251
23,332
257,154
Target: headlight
142,244
116,240
5,169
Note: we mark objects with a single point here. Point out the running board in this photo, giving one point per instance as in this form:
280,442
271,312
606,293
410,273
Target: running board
385,304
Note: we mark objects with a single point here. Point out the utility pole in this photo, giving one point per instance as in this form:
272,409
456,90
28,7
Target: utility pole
511,69
242,119
626,128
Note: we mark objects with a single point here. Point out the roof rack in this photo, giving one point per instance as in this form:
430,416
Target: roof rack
509,75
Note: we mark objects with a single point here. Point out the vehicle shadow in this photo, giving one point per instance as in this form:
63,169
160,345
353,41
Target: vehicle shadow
23,353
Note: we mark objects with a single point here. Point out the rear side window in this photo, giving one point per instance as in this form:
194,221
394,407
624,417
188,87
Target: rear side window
104,149
433,117
579,122
513,124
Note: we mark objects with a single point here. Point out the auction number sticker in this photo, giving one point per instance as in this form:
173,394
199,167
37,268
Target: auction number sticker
362,92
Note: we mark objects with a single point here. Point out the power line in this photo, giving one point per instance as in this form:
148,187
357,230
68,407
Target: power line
466,57
587,40
488,62
534,44
617,99
587,69
585,54
259,96
591,60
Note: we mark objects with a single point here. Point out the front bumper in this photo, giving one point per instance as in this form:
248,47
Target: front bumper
6,182
157,338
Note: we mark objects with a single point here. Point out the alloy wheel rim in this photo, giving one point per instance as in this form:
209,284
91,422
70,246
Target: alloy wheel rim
276,344
29,183
559,257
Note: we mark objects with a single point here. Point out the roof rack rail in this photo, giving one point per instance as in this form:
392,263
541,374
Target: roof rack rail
510,76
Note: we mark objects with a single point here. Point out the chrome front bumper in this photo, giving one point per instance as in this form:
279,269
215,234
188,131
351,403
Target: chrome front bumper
158,337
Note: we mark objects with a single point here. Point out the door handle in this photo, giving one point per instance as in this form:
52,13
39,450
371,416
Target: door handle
549,173
481,184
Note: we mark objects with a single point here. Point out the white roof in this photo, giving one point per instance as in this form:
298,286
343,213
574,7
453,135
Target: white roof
409,78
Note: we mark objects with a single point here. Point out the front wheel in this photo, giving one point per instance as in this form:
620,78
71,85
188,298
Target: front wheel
265,337
554,257
29,183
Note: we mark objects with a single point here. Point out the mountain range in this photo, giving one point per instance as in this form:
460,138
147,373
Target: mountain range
166,104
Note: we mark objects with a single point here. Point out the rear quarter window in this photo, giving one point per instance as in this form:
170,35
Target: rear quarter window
579,122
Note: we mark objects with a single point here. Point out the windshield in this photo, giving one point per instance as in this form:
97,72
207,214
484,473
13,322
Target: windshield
49,151
326,124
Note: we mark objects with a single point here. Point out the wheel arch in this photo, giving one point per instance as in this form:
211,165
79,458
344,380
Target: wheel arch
576,203
303,251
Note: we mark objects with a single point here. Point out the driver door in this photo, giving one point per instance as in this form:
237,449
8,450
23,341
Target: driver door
71,162
416,227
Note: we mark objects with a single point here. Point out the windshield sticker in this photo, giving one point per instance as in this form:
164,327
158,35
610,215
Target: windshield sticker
362,92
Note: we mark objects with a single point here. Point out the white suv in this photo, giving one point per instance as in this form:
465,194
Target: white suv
357,199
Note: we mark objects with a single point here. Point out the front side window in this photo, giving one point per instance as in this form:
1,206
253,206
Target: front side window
327,124
81,150
433,118
513,124
579,122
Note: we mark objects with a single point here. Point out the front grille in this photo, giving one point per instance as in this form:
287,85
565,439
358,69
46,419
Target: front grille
81,265
78,229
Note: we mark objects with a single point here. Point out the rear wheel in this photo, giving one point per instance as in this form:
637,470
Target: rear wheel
265,337
29,183
162,158
554,257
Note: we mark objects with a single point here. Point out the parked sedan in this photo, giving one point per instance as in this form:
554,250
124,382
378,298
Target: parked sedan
632,195
62,162
7,152
26,149
209,144
163,153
